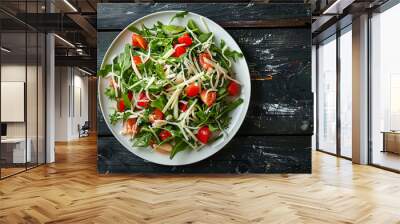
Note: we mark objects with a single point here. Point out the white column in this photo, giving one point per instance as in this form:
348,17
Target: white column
50,100
360,90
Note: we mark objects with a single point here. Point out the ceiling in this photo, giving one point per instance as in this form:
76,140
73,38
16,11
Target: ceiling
75,22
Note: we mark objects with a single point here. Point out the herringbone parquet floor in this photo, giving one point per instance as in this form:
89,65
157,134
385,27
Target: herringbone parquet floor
70,191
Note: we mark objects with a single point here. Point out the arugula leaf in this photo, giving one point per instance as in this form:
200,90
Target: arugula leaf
233,54
159,103
160,71
115,117
172,29
126,115
193,26
155,88
179,15
134,29
230,53
204,37
123,61
104,71
127,102
143,139
230,107
110,92
179,146
213,127
146,31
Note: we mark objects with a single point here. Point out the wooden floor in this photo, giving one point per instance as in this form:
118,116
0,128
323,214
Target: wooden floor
387,159
70,191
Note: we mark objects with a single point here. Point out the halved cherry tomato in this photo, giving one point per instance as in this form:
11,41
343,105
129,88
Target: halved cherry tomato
164,134
185,39
183,106
137,60
156,115
203,134
233,88
192,90
202,62
121,105
208,98
143,100
130,95
139,41
179,51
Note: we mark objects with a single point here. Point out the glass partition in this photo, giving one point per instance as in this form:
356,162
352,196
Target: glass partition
327,95
22,67
14,153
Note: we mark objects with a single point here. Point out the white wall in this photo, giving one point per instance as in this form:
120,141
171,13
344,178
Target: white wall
61,103
70,83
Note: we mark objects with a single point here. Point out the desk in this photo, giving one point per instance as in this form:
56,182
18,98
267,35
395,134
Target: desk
391,141
17,147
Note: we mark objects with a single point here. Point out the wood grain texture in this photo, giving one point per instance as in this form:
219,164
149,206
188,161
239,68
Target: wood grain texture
71,191
281,104
249,154
280,69
118,16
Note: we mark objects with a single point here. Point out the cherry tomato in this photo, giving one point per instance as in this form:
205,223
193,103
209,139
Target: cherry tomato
183,106
208,98
156,115
185,39
233,88
130,95
139,41
121,105
143,100
164,134
192,90
137,60
179,51
202,62
204,134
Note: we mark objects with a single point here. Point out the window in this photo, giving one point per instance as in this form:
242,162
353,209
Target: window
385,89
346,92
327,95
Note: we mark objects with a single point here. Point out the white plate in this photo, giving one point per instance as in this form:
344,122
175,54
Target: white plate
240,68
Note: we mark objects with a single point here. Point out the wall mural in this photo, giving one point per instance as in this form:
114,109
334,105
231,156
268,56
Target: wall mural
174,98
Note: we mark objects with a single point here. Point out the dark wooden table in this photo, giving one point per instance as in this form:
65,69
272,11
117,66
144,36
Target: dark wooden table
276,134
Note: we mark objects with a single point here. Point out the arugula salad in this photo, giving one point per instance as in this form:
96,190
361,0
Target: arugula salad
173,86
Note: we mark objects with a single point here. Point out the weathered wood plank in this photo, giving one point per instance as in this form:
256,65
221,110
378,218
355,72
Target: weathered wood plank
253,154
117,16
269,52
266,115
280,68
281,102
